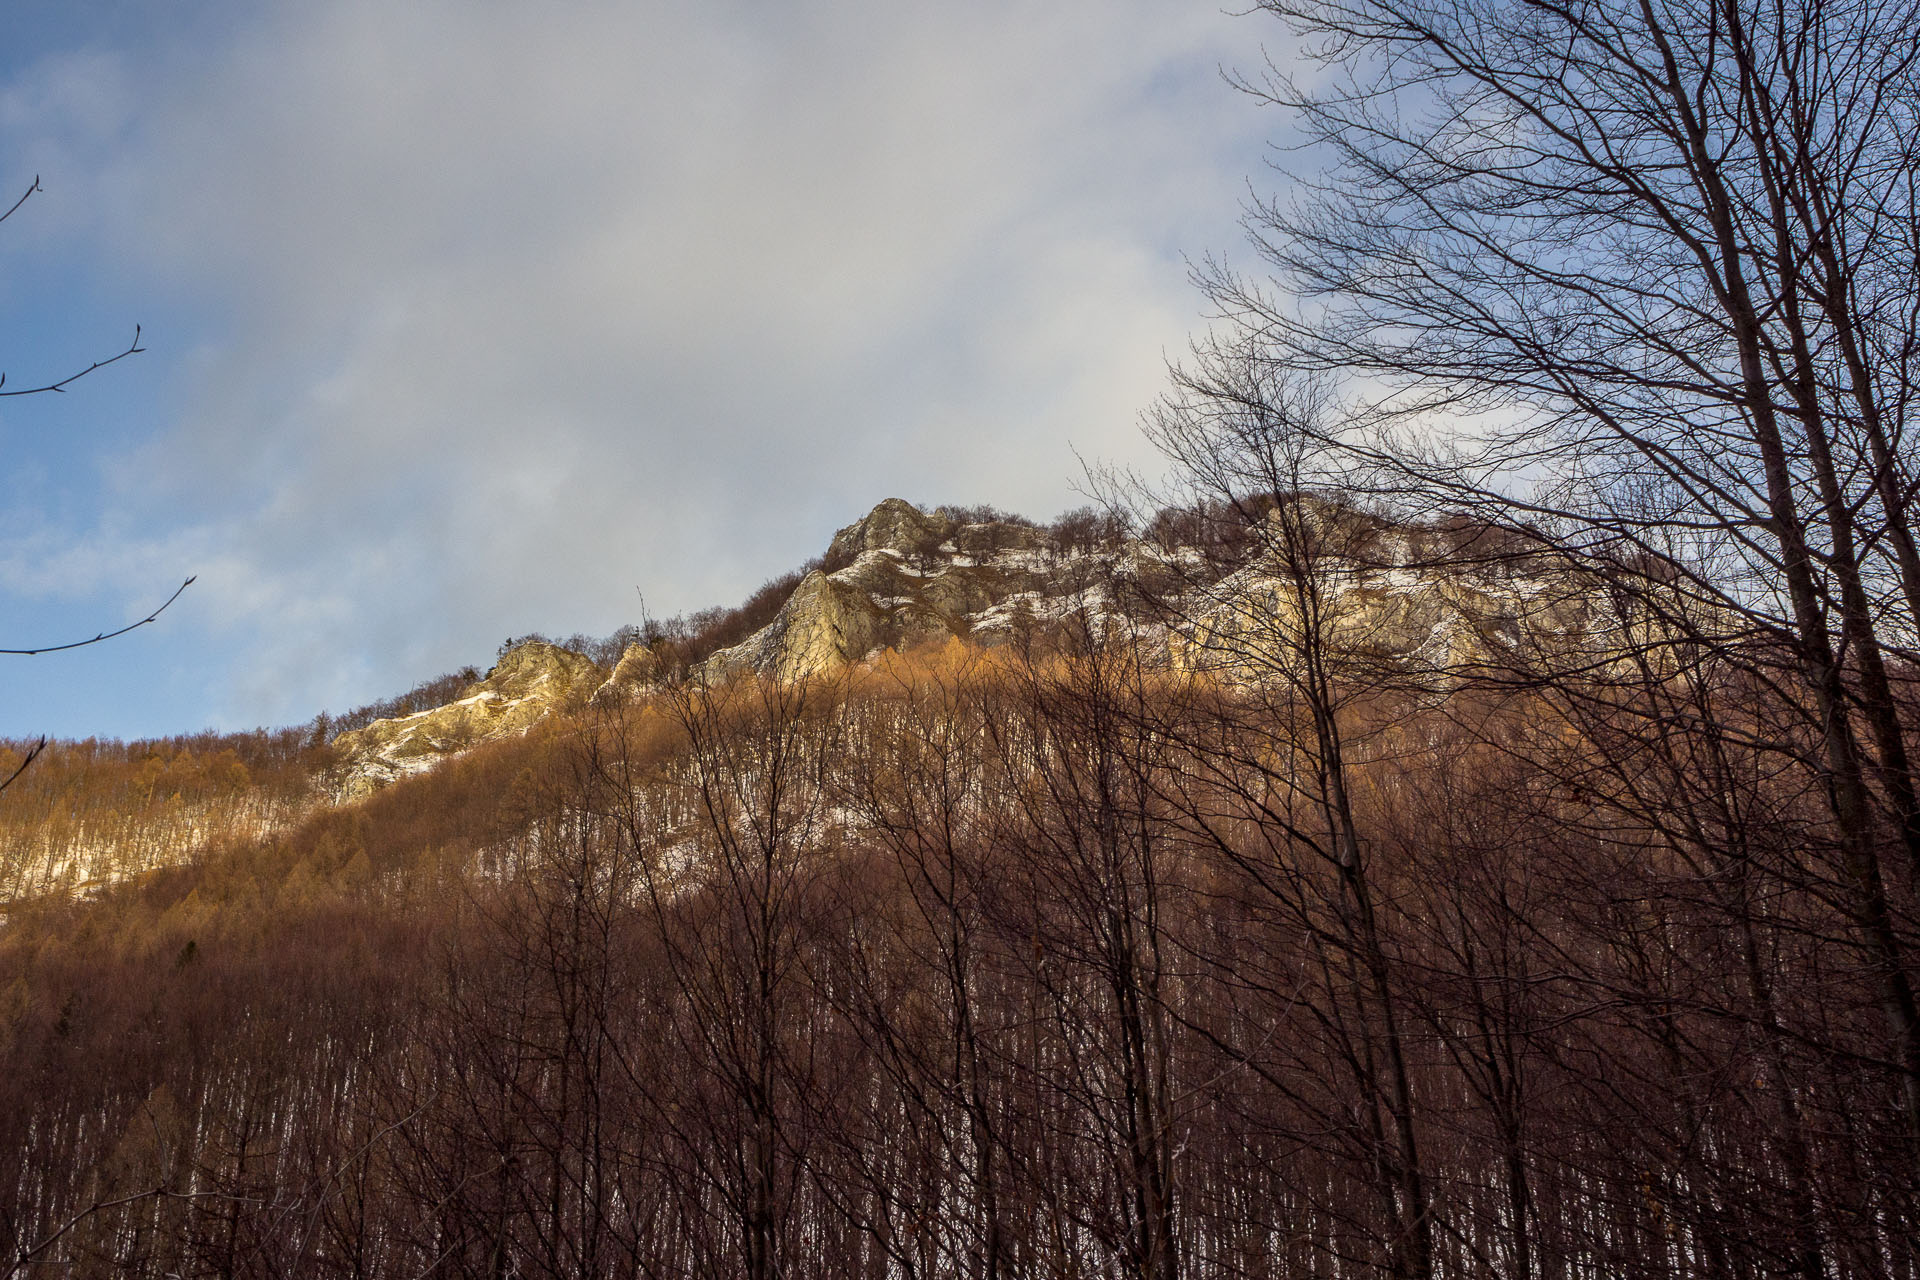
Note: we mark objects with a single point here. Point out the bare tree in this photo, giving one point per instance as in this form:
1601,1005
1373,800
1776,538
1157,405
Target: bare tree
1095,858
730,829
1281,634
1638,280
921,784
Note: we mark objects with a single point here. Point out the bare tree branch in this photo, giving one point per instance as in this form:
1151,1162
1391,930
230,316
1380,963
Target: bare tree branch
133,348
105,635
30,193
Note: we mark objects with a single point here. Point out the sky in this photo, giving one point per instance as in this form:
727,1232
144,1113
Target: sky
465,319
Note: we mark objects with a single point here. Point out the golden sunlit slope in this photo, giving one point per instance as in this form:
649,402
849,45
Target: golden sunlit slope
86,813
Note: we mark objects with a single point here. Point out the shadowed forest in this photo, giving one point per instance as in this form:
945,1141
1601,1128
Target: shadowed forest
985,963
1236,922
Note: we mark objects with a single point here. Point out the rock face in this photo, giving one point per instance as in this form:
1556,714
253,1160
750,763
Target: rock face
638,667
900,575
897,576
1425,619
1402,596
529,682
895,525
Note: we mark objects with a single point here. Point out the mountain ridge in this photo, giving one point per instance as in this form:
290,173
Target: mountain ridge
900,576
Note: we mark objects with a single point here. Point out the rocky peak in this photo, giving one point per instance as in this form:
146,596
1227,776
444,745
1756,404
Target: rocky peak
900,575
530,680
537,670
894,525
638,667
896,574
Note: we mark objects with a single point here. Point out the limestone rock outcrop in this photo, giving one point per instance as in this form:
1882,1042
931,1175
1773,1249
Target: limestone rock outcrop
530,681
1424,619
637,669
894,525
899,576
896,576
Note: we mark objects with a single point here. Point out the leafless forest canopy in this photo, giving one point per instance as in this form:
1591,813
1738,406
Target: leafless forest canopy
1206,934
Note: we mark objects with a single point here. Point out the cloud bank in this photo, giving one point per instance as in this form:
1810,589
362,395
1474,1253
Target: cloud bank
484,315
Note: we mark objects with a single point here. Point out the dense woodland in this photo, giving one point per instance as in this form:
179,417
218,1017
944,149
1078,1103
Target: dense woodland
993,963
83,814
1204,934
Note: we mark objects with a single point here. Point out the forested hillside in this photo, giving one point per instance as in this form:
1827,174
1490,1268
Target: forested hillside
84,814
1462,823
1054,957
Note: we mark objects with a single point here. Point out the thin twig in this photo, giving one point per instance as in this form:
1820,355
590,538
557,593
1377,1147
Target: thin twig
104,635
31,192
133,348
32,752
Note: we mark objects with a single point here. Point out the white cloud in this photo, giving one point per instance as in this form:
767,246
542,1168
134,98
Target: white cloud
510,307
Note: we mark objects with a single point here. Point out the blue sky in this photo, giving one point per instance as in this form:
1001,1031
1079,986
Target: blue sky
468,318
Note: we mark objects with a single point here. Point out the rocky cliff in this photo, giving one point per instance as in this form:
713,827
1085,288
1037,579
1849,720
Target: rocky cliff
529,681
1417,600
900,576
